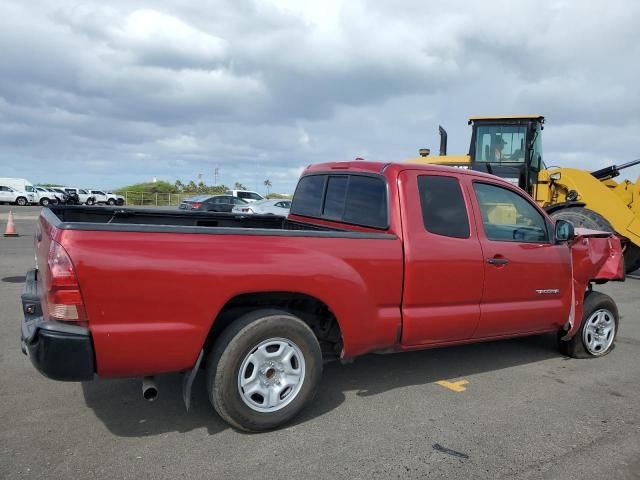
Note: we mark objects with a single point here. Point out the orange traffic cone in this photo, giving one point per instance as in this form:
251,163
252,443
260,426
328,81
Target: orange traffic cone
10,231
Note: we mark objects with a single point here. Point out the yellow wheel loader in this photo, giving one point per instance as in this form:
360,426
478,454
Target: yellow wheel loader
511,147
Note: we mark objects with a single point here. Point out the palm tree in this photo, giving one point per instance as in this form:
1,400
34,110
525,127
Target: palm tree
267,183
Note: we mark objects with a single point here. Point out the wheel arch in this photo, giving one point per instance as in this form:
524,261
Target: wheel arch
561,206
313,311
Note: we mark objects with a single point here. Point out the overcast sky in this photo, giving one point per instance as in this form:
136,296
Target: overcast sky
104,94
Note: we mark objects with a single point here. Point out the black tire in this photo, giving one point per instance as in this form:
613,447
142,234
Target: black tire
575,347
631,258
235,343
584,218
44,202
111,202
90,201
21,202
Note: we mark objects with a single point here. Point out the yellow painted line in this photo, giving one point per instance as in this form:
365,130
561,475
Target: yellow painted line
455,386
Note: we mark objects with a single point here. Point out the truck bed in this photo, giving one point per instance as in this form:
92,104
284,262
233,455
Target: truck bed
176,221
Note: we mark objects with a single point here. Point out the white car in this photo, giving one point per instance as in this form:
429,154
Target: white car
265,207
114,198
83,195
100,196
48,195
21,185
11,195
246,195
108,198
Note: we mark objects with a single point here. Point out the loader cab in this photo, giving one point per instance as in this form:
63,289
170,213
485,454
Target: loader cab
509,147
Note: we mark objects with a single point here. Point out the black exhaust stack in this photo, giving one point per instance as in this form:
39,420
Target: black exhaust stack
443,140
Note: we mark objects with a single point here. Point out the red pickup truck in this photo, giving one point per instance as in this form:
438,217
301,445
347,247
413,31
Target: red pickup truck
373,257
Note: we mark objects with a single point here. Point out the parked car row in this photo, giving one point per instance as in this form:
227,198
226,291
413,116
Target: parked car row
22,192
235,201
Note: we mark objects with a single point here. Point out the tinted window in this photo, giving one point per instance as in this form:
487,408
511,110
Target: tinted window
363,203
366,202
84,192
4,189
509,217
250,195
335,197
443,209
307,199
238,201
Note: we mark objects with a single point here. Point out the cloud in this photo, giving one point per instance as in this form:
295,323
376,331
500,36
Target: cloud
103,95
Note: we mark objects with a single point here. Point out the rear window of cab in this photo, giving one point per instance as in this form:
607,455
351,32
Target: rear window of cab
347,198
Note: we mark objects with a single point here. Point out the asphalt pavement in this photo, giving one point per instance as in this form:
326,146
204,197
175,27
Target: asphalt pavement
525,411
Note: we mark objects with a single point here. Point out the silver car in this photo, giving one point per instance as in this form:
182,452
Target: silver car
265,207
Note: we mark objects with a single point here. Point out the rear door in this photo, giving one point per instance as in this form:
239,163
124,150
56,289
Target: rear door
527,278
443,260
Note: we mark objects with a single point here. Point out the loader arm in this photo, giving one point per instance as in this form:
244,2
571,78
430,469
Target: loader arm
618,203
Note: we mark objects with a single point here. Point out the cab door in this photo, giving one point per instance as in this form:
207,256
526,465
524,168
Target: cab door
444,266
527,277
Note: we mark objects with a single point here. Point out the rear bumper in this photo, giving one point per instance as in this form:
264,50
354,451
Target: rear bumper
58,350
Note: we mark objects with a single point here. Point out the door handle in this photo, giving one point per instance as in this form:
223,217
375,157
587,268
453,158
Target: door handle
497,261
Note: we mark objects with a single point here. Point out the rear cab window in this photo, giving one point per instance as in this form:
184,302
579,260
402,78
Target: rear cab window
354,198
444,211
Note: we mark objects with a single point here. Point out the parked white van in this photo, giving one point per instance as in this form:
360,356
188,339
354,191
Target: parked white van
21,185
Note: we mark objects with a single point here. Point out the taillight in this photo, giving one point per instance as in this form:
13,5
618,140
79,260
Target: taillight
196,205
247,210
64,300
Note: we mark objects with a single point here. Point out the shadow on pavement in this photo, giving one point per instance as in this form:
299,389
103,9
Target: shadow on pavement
119,404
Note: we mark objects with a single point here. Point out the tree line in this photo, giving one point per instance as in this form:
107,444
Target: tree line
190,187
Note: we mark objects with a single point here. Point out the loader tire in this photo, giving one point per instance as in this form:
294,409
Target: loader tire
582,217
632,258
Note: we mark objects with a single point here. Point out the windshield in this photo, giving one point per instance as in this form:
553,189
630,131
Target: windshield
500,143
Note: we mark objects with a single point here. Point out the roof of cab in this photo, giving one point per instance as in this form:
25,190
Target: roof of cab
505,117
391,168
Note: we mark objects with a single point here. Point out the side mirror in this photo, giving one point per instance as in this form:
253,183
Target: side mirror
564,231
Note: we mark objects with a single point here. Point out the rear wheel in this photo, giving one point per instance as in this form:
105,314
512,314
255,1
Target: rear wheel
263,369
21,201
597,333
584,218
44,202
111,201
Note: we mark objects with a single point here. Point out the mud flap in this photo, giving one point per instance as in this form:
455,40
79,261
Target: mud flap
187,381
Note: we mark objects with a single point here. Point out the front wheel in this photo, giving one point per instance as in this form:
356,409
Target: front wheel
44,202
111,202
597,334
263,369
90,202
